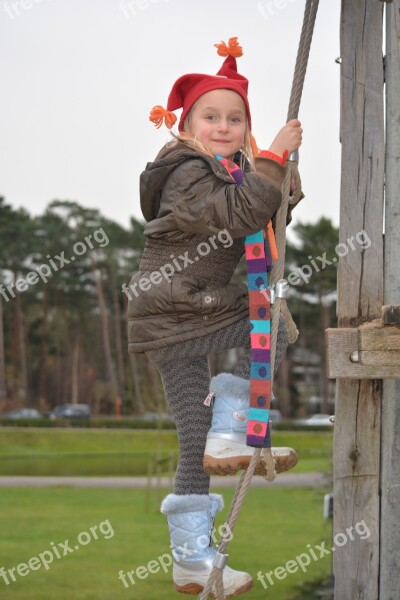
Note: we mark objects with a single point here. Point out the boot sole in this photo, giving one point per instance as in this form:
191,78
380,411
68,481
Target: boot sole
195,588
231,465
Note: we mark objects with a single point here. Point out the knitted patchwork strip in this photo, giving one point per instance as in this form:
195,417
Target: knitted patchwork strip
258,263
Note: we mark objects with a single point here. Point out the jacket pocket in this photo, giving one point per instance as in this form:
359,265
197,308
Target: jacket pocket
190,300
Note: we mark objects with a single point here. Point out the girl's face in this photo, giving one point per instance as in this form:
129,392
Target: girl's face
218,120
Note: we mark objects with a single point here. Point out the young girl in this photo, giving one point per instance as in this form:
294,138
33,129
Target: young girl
204,193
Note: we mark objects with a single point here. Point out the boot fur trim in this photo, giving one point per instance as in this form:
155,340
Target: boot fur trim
226,384
177,504
219,500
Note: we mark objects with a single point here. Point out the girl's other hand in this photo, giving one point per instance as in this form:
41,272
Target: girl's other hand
288,138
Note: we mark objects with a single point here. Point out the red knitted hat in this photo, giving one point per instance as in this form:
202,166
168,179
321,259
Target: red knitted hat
188,88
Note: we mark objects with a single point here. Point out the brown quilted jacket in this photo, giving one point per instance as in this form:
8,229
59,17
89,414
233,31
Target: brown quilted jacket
197,218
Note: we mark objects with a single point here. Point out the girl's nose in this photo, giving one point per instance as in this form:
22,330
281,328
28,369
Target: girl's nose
223,125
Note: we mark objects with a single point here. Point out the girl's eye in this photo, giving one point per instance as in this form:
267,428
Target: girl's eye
210,117
235,119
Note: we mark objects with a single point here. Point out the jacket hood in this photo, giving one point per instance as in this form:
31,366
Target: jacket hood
152,180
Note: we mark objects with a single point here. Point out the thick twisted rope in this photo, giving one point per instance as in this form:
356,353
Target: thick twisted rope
216,575
310,13
292,175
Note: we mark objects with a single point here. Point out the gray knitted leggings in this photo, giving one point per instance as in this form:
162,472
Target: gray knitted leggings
185,374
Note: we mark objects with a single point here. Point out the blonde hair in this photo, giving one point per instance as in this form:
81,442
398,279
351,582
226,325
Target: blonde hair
186,137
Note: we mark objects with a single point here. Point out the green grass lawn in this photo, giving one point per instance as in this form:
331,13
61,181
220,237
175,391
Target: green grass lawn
275,526
124,452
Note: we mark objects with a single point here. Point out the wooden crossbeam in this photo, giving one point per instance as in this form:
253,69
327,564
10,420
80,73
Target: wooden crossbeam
370,351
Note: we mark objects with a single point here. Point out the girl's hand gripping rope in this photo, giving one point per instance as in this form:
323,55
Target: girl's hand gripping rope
288,138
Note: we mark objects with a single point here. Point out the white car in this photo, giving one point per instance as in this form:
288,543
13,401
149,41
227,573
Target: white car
23,413
275,416
319,419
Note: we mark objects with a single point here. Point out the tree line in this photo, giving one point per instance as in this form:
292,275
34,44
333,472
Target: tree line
63,329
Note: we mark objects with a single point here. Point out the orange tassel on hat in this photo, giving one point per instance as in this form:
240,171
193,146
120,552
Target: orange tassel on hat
159,114
232,49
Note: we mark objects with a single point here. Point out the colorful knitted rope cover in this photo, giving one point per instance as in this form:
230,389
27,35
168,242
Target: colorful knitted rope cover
258,263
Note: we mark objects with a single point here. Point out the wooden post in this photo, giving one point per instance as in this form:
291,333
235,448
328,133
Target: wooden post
360,297
390,457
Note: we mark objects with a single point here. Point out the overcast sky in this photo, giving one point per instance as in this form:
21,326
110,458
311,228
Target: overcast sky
79,77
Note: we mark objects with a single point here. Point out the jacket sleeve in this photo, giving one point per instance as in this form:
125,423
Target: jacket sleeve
203,201
274,173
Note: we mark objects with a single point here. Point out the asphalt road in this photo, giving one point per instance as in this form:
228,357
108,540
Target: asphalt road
314,480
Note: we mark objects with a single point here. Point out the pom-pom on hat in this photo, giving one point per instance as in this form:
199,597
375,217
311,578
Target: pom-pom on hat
188,88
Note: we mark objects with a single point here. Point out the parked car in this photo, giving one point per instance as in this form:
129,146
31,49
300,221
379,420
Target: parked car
22,413
154,417
275,416
70,411
319,419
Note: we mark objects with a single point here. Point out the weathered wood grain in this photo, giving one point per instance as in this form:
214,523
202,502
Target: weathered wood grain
360,296
391,313
390,452
376,336
389,359
342,344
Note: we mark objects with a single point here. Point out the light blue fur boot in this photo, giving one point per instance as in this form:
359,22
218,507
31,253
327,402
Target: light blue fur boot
226,451
190,519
